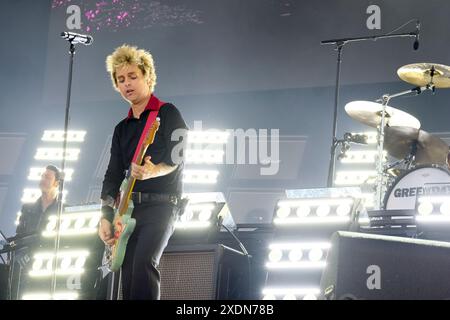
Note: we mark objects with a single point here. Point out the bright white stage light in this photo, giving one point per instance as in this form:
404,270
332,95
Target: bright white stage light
203,210
310,296
200,176
65,263
192,225
283,212
56,154
311,220
323,210
303,293
315,254
296,265
303,211
295,255
69,263
196,216
32,194
295,203
275,255
301,245
208,137
343,210
445,208
205,214
425,208
204,156
313,211
433,219
73,224
36,173
58,136
349,178
69,295
365,156
371,136
36,296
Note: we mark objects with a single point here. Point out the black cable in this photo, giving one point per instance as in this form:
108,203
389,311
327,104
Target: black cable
403,25
243,251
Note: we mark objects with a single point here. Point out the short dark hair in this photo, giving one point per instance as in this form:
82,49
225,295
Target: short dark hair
55,169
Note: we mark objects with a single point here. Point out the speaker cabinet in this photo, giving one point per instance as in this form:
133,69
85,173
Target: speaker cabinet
363,266
203,272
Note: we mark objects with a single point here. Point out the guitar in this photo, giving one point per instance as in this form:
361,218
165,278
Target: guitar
123,223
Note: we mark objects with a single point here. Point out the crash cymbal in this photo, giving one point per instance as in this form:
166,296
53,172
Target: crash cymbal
399,143
369,113
422,74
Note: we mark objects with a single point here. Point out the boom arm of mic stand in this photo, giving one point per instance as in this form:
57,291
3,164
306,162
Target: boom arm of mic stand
339,46
367,38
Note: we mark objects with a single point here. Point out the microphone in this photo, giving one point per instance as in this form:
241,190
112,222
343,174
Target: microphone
416,41
77,38
355,138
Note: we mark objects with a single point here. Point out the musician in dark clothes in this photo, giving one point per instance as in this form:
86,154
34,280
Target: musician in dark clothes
32,222
34,215
158,188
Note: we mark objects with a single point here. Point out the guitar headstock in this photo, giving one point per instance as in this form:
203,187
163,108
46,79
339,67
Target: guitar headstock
152,132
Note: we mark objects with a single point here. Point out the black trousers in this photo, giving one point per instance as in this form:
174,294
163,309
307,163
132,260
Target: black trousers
155,223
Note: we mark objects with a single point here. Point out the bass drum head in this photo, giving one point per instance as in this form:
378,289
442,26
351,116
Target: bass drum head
402,194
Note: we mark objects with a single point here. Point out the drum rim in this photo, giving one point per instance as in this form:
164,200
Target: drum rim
400,177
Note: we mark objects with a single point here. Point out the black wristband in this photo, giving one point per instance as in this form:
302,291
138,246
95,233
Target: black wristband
108,213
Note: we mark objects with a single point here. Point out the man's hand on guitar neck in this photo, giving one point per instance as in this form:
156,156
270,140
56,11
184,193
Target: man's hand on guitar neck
105,232
150,170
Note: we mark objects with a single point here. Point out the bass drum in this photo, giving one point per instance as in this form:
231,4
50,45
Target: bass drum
402,194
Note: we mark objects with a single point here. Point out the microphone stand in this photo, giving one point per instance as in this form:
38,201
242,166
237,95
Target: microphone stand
63,163
243,251
339,43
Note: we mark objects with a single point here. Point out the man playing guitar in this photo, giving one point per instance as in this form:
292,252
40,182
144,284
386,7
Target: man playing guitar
157,191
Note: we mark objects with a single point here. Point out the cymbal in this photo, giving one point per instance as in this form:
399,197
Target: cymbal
369,113
395,172
420,74
398,142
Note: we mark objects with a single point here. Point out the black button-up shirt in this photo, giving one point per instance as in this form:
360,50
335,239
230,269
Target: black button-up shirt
33,218
124,143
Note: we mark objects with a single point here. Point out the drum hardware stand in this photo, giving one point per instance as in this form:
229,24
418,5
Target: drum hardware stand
408,161
411,158
380,143
339,43
11,256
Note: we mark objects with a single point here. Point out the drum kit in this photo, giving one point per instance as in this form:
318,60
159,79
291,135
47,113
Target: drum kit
421,157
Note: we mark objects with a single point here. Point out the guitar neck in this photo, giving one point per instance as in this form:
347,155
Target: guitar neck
125,197
130,181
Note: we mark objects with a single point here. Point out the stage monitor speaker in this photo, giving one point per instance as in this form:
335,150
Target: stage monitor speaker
203,272
363,266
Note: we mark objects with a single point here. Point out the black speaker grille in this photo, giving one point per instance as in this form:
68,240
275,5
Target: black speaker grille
188,275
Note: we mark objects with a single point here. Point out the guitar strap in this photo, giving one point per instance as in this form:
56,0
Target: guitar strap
151,118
